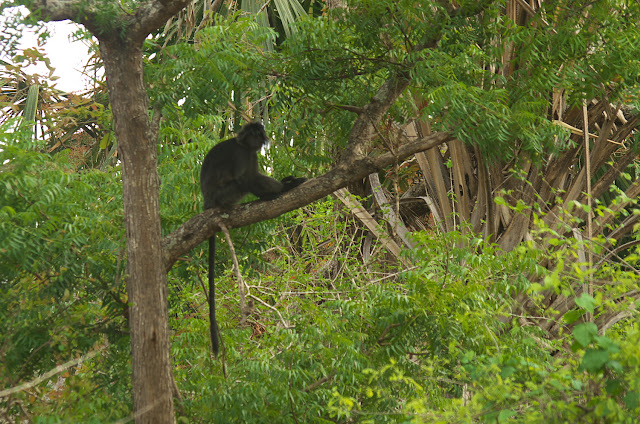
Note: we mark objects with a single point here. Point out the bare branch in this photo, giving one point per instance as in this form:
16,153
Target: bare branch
60,10
349,108
244,311
364,128
154,14
148,17
318,383
47,375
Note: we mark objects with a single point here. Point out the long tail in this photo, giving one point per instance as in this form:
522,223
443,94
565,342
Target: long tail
213,324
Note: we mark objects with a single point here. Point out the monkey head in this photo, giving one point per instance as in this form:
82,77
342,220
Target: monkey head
252,136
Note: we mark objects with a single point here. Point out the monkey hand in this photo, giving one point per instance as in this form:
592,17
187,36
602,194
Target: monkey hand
291,182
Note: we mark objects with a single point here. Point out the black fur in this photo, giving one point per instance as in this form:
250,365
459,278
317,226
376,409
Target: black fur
229,172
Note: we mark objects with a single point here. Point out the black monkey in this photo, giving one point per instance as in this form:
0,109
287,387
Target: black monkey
229,172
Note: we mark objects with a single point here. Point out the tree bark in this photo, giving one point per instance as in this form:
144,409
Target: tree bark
146,279
121,50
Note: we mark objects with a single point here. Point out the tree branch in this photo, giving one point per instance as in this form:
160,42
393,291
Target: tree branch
148,17
47,375
60,10
79,11
153,14
204,225
364,128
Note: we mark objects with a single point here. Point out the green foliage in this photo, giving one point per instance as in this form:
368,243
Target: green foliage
596,385
336,337
339,344
441,342
226,64
344,56
61,261
496,113
96,391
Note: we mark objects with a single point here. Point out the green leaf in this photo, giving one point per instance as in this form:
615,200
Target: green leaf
632,400
577,384
585,333
507,371
572,316
8,210
614,386
615,366
104,141
505,414
587,302
594,360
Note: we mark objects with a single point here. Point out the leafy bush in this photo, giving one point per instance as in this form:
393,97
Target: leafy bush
441,342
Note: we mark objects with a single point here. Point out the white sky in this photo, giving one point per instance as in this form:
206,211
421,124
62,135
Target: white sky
67,57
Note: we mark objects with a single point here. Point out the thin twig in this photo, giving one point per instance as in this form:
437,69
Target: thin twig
243,303
319,382
47,375
587,156
284,323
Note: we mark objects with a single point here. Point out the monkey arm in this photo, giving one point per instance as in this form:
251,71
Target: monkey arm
266,188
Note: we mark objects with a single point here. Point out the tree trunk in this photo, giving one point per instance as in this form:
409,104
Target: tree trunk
146,279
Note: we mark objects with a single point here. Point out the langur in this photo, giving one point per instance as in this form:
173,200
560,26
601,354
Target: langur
229,172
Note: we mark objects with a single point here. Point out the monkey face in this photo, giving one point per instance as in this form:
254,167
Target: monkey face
253,136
